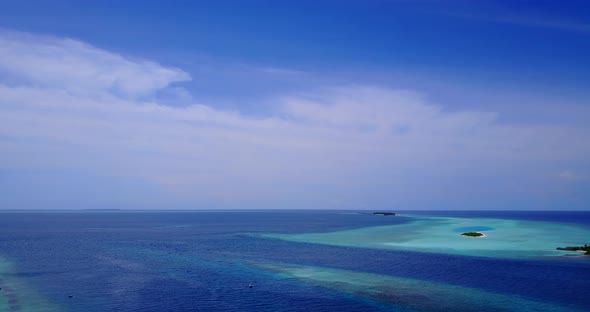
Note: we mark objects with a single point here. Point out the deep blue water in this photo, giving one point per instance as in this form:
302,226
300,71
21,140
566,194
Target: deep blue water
204,261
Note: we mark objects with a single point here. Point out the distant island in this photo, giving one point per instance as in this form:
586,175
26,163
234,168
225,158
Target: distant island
473,234
381,213
585,248
101,209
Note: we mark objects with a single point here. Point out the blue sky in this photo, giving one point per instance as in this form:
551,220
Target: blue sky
284,104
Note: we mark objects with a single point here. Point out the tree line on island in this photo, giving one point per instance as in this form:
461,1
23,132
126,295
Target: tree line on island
585,248
472,234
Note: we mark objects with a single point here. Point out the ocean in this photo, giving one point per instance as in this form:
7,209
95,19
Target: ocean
292,261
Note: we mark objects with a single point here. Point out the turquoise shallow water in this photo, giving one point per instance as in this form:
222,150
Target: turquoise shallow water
404,294
473,229
17,295
503,238
321,261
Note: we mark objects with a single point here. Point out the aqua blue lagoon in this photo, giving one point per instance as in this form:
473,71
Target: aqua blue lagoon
293,261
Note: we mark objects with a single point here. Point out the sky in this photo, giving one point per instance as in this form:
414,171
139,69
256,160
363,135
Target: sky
295,105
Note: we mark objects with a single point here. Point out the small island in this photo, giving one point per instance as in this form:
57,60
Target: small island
383,213
473,234
585,249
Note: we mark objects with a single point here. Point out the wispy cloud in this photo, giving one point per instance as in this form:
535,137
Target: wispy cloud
280,71
570,176
74,107
529,21
72,65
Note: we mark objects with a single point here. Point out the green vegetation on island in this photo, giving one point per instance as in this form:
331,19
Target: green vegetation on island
472,234
585,248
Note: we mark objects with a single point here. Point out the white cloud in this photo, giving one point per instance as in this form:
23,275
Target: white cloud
77,107
72,65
